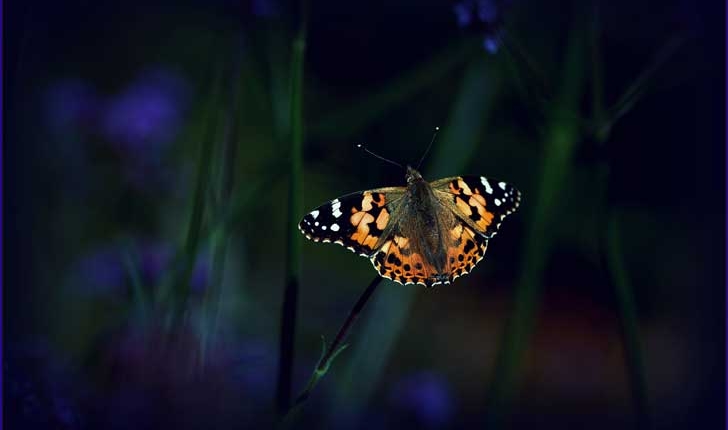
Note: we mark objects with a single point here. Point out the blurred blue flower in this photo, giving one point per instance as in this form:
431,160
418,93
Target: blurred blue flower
145,117
483,17
424,398
70,106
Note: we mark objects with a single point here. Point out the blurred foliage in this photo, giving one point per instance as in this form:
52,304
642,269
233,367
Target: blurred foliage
151,185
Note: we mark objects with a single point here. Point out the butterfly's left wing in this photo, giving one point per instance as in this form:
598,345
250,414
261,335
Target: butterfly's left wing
480,202
358,221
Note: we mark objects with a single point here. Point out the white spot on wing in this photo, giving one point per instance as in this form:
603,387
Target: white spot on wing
497,203
485,183
502,185
315,214
335,208
334,227
323,227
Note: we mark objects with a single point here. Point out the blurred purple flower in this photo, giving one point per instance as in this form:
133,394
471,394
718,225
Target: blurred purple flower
266,8
144,118
39,388
71,105
154,260
491,44
233,383
104,271
483,17
101,272
200,278
425,398
255,368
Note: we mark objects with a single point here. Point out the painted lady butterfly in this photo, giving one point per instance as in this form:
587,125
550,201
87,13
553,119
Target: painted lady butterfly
424,233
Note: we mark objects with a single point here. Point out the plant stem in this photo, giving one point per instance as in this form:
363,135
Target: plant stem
329,354
295,211
614,262
213,293
332,351
559,148
198,204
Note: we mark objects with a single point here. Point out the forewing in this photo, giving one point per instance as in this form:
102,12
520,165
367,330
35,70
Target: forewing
481,202
356,221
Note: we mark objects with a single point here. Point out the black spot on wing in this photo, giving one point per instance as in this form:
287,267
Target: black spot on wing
394,260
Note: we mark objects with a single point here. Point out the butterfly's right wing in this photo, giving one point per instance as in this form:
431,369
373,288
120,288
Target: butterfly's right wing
356,221
480,202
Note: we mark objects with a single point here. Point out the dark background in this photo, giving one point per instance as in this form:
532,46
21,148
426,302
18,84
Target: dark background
608,116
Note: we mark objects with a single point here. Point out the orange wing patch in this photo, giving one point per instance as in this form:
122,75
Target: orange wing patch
356,221
396,261
467,250
369,219
471,203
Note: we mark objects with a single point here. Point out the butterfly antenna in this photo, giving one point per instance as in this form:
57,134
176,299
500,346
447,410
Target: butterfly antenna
360,146
434,135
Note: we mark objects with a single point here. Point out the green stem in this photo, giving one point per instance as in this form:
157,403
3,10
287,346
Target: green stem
194,228
295,212
614,262
559,148
213,294
132,267
597,76
334,349
329,354
635,91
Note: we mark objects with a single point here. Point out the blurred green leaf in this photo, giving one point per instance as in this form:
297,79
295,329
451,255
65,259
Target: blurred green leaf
560,144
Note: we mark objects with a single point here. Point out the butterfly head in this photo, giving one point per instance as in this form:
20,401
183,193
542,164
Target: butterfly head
413,175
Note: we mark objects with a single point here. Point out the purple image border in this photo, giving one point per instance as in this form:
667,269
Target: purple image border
2,224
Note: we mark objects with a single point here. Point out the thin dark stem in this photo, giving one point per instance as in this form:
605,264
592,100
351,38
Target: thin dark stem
295,212
288,335
627,310
613,262
336,346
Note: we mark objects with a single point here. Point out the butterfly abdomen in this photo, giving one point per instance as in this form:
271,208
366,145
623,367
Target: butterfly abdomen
426,225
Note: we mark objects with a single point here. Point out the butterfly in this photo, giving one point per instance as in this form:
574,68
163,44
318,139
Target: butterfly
425,233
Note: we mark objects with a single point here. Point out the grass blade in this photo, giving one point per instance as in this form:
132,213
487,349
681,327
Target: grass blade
295,212
204,167
560,145
614,263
